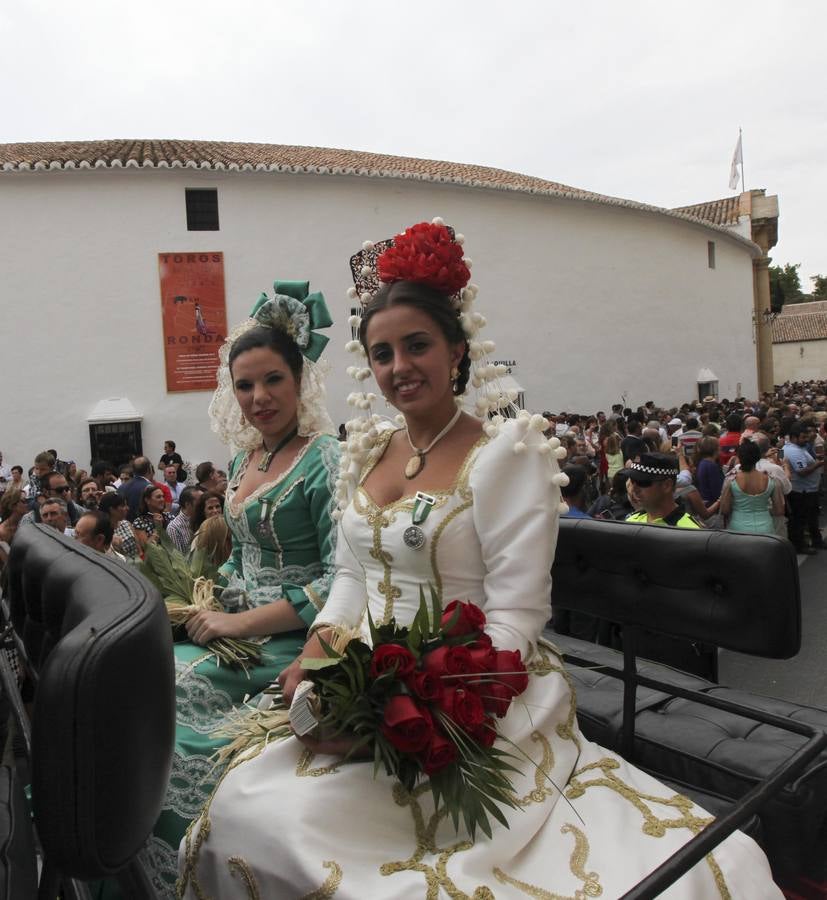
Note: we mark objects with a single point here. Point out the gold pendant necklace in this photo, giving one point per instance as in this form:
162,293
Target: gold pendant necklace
264,465
417,462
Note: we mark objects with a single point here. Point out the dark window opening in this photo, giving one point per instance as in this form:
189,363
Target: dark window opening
707,389
202,209
116,442
710,253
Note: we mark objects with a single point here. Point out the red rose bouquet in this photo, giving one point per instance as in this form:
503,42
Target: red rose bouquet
424,700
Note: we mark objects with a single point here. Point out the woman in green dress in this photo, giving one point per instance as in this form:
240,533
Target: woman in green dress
270,403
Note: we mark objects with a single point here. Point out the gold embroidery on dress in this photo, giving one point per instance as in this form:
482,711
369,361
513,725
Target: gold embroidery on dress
577,863
331,884
238,866
460,487
541,664
379,517
303,769
193,848
578,859
718,875
387,589
436,876
542,775
273,533
653,825
435,541
459,484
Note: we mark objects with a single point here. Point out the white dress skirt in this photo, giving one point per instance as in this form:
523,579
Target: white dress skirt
284,823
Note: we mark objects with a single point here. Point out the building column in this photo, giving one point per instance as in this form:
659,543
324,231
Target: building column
763,329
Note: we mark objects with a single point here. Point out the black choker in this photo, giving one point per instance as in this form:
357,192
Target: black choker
264,465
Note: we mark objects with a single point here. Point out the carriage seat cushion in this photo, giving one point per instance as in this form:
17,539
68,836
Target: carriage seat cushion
711,751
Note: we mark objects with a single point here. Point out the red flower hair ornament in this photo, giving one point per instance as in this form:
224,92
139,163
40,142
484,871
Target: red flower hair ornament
426,253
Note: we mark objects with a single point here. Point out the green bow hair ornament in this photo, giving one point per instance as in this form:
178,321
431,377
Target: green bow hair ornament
296,312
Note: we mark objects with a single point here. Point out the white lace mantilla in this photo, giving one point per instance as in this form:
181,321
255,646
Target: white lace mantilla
226,418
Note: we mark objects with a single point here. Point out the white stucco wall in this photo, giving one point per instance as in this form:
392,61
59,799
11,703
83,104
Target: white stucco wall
591,301
799,361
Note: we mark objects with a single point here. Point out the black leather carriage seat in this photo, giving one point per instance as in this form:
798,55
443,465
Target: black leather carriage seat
736,591
97,637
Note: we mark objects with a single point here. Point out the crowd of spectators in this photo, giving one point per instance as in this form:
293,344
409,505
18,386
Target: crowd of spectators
746,465
118,510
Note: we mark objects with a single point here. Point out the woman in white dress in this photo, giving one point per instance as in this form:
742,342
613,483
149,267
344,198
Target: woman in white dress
290,820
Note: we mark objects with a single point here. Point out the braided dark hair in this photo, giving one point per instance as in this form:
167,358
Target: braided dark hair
435,305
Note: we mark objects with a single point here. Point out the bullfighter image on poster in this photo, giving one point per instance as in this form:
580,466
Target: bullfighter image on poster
194,316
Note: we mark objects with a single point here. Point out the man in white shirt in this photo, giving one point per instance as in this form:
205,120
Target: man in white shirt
175,488
55,512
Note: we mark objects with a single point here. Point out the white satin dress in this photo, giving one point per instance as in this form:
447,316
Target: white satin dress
286,824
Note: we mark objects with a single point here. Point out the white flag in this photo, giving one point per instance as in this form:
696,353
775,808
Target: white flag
737,160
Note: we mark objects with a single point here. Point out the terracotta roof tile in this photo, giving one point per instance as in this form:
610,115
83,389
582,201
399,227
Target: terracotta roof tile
804,327
718,212
236,156
275,157
801,309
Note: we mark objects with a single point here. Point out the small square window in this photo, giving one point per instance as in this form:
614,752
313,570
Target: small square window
202,209
707,389
710,253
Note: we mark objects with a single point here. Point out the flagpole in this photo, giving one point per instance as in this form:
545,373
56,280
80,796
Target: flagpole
743,180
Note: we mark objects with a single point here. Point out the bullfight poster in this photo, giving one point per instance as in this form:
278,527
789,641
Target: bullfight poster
194,316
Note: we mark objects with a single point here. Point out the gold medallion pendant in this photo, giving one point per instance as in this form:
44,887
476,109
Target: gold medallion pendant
414,466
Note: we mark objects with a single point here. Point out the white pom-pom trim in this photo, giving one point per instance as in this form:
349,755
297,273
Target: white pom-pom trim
560,479
561,453
437,220
352,293
519,447
368,245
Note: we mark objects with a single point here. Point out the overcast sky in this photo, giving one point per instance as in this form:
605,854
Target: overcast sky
641,100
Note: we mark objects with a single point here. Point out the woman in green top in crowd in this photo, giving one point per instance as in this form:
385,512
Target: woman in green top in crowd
751,499
270,403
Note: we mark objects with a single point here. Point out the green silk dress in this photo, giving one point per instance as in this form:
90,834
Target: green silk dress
283,546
